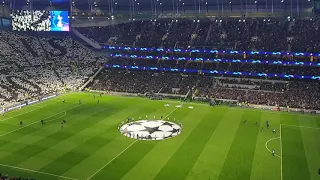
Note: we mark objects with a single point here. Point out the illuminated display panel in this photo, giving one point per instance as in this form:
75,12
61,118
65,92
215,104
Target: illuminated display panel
59,21
40,20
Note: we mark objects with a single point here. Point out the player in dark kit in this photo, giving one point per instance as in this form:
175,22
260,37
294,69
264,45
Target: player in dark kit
98,101
244,121
80,102
21,123
42,122
256,123
64,101
261,129
267,124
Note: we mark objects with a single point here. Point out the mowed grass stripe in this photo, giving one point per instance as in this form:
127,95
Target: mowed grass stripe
101,157
28,135
185,157
263,161
20,155
121,165
12,124
239,161
294,162
112,131
211,160
57,137
310,139
144,147
152,163
67,159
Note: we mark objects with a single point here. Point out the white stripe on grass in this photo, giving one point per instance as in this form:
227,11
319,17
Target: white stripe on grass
300,126
269,149
6,119
125,149
39,172
65,112
281,151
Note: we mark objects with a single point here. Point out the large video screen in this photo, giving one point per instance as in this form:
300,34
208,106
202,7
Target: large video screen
59,20
40,20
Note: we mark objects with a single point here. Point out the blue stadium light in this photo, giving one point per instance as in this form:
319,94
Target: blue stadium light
216,51
253,61
287,76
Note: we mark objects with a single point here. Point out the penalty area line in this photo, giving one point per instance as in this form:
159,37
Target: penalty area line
6,119
65,112
124,150
39,172
269,149
300,126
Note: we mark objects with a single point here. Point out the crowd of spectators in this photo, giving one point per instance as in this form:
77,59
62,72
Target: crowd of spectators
222,66
33,66
36,65
25,20
276,93
228,33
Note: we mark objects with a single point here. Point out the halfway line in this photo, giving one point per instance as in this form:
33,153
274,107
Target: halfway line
125,149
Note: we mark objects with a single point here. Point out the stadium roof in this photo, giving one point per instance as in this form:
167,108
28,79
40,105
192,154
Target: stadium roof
173,4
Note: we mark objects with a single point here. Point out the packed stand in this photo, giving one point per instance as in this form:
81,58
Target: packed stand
25,20
35,66
226,33
267,92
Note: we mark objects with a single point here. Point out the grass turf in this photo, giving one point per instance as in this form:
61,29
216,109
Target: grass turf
214,144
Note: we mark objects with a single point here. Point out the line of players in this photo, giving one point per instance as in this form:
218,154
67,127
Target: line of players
274,131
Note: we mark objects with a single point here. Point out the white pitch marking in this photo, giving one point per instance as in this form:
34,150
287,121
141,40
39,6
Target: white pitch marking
112,159
39,172
125,149
299,126
39,121
21,114
269,149
281,151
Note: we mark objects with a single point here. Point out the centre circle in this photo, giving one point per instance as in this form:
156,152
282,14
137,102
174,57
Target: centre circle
150,129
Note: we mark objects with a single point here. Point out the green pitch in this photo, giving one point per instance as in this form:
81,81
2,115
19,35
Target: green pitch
215,143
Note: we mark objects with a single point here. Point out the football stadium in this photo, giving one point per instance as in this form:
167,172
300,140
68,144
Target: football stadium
158,89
